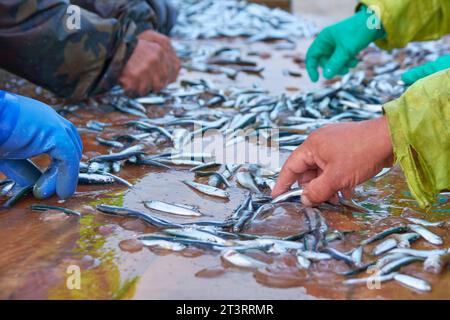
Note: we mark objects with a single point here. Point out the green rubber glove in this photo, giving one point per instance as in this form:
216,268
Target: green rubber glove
424,70
336,47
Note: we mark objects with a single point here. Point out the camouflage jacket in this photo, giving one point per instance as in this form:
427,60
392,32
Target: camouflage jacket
74,48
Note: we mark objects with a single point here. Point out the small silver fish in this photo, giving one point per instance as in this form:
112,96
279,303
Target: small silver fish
242,261
287,195
412,282
206,189
426,234
177,209
164,244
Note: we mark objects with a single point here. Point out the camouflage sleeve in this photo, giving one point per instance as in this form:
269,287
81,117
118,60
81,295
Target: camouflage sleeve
166,14
142,14
71,51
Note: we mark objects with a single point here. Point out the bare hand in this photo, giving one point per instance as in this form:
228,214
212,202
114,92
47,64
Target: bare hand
152,65
335,158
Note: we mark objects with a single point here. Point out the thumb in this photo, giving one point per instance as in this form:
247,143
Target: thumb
320,189
338,61
45,187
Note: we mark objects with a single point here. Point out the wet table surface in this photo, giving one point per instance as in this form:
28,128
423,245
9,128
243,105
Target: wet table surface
40,250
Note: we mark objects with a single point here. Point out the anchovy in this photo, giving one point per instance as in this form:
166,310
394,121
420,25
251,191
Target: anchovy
173,208
426,234
16,197
151,100
380,278
339,255
220,176
418,253
125,212
297,192
314,256
244,216
384,234
384,246
110,143
196,234
205,189
246,180
397,264
95,178
413,282
242,261
164,244
124,154
40,207
426,223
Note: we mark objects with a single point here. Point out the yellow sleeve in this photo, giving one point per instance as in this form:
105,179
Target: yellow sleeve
411,20
419,123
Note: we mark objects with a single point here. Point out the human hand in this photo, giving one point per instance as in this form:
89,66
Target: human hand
29,128
152,65
335,158
336,47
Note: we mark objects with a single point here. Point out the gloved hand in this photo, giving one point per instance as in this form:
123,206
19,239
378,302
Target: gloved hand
166,14
29,128
336,158
336,47
424,70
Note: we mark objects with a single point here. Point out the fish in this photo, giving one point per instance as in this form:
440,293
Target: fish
425,223
95,179
196,234
314,256
339,255
385,246
246,180
41,207
172,208
426,234
413,282
397,264
242,261
383,234
144,216
110,143
303,262
297,192
208,190
380,279
16,197
163,244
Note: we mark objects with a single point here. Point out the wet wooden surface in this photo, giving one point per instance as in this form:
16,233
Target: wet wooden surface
38,248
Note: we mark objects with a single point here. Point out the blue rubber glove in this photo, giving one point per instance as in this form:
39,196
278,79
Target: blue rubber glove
29,128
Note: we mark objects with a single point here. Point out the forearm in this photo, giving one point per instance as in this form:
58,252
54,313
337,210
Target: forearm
419,125
405,20
71,63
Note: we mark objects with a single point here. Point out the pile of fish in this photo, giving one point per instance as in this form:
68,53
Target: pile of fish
200,19
225,60
391,252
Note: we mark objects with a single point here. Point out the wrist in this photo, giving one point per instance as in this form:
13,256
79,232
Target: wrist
385,142
9,115
371,23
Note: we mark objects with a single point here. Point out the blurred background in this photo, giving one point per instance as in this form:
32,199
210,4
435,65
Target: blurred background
324,11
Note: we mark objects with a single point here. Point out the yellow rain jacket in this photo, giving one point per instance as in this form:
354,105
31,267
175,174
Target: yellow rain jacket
419,120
